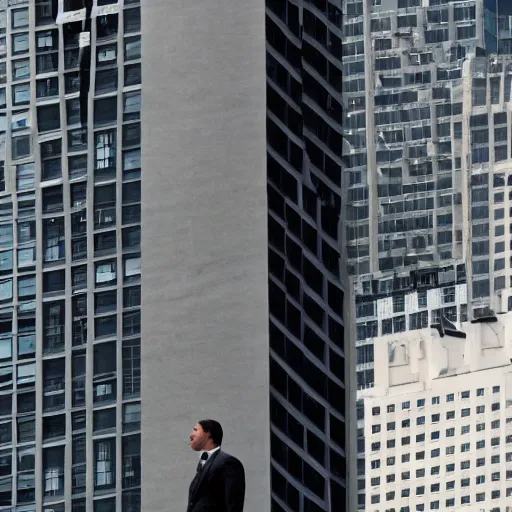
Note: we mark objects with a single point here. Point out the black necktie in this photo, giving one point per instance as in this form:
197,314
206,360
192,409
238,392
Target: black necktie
204,457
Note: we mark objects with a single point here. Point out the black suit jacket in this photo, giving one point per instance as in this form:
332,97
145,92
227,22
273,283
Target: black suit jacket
219,487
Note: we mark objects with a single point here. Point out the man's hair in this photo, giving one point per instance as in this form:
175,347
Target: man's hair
213,428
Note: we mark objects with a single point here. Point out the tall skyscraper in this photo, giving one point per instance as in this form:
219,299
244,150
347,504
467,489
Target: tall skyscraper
70,255
310,302
211,296
426,127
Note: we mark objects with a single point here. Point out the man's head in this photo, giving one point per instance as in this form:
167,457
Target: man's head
206,435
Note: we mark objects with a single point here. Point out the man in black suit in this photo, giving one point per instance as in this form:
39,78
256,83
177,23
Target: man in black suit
219,484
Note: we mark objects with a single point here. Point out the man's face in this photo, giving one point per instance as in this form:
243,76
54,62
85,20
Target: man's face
198,438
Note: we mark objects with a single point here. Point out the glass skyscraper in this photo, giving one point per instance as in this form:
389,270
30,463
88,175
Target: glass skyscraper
70,255
310,303
426,124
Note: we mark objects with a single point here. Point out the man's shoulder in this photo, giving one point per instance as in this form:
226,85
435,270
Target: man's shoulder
227,458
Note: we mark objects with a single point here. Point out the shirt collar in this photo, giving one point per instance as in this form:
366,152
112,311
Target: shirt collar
209,452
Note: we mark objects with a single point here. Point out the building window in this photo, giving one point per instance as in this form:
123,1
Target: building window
131,368
19,44
19,18
448,295
21,94
132,48
104,470
105,157
48,118
20,147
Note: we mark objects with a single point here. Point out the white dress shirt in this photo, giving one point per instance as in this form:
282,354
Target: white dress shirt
210,453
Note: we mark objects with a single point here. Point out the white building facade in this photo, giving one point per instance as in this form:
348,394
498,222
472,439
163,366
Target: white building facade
439,421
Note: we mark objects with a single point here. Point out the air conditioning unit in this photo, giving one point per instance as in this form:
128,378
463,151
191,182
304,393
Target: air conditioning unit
500,301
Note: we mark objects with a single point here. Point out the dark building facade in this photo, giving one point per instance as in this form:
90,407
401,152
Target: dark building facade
309,299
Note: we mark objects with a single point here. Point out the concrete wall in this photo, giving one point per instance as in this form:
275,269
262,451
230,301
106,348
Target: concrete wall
205,311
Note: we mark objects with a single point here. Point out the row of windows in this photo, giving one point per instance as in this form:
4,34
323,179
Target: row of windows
105,142
435,400
369,308
436,452
434,436
450,502
435,471
54,426
401,323
436,418
54,474
22,375
46,11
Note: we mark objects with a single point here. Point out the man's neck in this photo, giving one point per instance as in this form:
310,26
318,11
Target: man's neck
209,448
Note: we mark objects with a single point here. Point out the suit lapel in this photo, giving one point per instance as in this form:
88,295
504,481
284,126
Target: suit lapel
200,477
